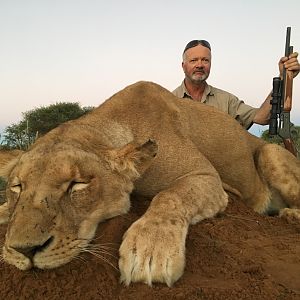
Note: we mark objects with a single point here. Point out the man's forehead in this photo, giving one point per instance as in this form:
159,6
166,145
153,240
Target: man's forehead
198,51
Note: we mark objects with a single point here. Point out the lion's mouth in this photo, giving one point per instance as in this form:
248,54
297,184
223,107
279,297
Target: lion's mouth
30,252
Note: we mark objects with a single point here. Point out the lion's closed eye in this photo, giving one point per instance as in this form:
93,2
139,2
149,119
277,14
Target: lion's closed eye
16,186
77,186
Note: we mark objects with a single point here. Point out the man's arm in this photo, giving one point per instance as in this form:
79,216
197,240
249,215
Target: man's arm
262,115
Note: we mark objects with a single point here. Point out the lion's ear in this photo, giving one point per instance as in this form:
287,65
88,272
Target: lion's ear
8,160
132,160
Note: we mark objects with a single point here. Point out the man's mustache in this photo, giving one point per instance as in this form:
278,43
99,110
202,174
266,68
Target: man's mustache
200,70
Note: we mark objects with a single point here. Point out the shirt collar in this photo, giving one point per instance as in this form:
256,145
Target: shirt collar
208,91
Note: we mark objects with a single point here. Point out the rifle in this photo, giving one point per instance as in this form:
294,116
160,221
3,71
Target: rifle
281,102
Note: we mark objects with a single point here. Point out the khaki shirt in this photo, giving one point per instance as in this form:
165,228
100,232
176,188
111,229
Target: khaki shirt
224,101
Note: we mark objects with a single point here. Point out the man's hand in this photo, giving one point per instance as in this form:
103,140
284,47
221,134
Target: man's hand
290,63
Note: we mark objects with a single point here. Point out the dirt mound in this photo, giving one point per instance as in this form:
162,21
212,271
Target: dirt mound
237,255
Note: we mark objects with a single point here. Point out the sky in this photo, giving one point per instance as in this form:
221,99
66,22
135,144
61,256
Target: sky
86,50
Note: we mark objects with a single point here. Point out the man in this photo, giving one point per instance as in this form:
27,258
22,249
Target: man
196,65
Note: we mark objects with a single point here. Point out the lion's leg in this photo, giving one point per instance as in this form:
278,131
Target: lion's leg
281,170
153,248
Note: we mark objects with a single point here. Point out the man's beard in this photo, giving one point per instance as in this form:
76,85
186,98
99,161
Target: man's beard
197,78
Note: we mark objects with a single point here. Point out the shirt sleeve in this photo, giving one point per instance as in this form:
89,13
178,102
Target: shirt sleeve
242,112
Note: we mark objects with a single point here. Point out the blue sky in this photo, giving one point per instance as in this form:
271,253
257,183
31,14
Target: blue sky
86,50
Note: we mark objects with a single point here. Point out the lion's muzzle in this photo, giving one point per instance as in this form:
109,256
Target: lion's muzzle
31,251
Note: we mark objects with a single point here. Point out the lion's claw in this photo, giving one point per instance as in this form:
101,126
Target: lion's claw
152,253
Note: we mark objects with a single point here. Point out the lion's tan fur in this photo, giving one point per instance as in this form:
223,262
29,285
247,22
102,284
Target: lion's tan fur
183,154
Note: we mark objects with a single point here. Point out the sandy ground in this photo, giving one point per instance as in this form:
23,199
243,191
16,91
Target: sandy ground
237,255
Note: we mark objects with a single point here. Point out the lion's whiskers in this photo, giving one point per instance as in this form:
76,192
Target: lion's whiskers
100,251
98,255
102,247
80,258
103,251
98,238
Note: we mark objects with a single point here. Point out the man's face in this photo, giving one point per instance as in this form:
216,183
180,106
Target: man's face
196,64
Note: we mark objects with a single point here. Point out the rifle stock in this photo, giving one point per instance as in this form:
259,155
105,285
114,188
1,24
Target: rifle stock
290,146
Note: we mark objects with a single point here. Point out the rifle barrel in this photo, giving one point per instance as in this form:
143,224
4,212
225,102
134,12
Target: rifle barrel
287,42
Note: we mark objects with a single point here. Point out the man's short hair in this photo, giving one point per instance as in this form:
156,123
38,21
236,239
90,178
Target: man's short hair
195,43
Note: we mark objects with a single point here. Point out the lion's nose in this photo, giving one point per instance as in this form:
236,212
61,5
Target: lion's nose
32,250
28,251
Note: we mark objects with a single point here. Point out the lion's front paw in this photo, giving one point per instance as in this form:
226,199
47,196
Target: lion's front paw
153,251
290,214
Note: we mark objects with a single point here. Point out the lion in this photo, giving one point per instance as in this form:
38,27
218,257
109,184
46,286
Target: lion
7,155
187,156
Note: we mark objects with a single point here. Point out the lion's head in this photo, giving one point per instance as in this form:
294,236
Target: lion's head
57,196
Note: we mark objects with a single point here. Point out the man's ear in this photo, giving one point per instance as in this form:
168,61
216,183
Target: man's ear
132,160
8,160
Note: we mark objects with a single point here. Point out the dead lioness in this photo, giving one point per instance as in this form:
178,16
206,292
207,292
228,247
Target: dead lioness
185,155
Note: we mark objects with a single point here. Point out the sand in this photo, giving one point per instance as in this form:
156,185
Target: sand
237,255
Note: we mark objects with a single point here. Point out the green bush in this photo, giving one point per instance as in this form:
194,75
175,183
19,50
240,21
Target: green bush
38,122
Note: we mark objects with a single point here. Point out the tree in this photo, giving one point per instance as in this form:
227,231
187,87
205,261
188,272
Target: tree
39,121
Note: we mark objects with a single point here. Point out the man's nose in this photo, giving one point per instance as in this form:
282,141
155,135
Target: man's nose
199,64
